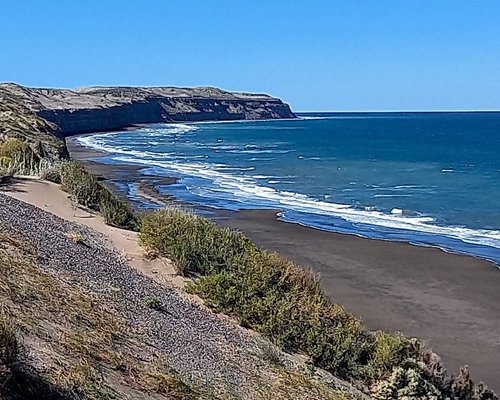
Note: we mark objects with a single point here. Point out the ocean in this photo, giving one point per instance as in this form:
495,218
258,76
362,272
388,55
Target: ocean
431,179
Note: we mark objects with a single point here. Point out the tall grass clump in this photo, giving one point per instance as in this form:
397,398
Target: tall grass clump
285,303
11,148
87,191
18,158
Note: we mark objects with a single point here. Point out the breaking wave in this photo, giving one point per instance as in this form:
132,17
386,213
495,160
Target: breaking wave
232,184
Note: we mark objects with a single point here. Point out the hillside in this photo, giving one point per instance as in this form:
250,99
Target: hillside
78,322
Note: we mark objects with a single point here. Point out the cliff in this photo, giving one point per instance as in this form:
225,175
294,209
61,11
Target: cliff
17,120
49,114
107,108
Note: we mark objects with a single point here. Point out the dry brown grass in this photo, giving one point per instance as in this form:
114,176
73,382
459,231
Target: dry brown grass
74,237
80,347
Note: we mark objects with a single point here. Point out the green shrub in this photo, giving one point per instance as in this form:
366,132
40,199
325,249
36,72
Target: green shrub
285,303
116,212
80,184
86,190
390,350
196,245
408,384
152,302
51,174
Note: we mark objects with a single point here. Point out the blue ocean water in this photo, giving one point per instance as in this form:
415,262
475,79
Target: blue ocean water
425,178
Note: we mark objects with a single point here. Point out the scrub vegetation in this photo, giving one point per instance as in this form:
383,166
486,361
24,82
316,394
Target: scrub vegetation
87,191
285,303
262,290
18,158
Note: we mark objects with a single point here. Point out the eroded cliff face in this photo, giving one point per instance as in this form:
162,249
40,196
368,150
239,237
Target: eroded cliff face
82,120
109,108
58,113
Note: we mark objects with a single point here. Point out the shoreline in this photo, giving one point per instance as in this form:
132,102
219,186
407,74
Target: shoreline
154,197
448,299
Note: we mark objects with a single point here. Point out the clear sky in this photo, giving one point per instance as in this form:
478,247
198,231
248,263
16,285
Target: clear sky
316,55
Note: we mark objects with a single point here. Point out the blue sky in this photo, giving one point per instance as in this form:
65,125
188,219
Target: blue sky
316,55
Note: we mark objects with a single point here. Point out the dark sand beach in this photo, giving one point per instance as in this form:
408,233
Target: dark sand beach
451,301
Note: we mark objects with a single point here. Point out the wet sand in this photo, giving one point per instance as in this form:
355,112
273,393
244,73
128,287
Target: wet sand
450,301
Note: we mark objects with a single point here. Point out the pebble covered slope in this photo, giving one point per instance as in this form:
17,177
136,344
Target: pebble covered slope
202,347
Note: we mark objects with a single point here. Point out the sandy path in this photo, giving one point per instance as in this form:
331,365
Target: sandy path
49,197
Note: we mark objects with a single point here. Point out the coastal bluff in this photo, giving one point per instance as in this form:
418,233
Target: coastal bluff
107,108
42,115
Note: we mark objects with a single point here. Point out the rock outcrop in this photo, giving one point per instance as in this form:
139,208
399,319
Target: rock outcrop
18,120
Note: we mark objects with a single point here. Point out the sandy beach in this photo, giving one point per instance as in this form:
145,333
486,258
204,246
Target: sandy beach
450,301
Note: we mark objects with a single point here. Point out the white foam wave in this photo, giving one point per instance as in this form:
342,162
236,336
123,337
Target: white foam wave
260,151
244,121
312,118
97,143
242,187
274,177
245,188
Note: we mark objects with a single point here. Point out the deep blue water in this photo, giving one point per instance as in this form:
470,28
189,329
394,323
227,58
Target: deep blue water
425,178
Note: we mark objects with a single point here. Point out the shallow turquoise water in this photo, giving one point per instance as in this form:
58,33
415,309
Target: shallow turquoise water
425,178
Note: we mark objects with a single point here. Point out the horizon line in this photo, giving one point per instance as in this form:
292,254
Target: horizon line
397,111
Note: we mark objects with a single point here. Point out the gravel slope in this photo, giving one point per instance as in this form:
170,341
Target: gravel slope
202,347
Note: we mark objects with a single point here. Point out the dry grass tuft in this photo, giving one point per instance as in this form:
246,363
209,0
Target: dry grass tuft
75,237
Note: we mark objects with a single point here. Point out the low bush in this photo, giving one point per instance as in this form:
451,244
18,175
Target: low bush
197,246
81,185
86,190
51,174
152,302
286,304
116,212
390,350
408,384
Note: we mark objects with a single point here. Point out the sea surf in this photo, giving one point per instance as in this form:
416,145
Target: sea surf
431,179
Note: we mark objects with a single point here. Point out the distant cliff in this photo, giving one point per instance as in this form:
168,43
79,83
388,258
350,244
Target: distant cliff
101,109
63,112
